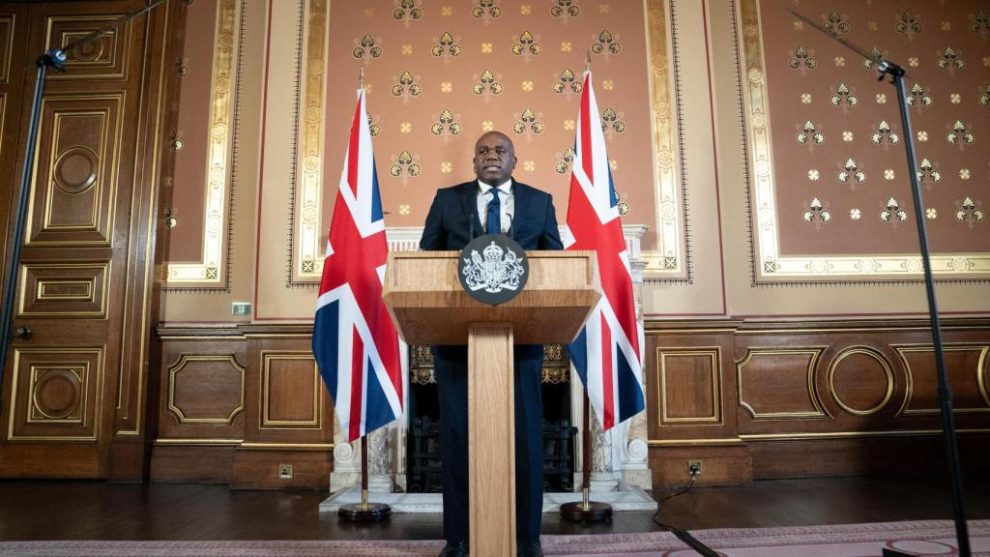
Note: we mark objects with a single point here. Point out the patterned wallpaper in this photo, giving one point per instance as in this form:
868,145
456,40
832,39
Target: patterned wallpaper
831,189
439,74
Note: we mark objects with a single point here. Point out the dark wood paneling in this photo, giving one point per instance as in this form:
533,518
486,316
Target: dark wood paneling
814,398
750,400
779,382
84,268
191,463
966,368
861,381
259,469
286,416
203,386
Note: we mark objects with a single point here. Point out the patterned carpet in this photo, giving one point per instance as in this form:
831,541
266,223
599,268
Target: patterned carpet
851,540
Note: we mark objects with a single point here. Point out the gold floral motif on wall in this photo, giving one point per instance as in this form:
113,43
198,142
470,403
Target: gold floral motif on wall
863,226
447,73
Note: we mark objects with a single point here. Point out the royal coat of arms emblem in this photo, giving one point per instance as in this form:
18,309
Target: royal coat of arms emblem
493,269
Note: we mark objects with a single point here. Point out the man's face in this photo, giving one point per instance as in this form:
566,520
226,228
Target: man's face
494,158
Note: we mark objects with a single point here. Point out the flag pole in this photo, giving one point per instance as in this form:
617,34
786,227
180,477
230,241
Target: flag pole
586,510
364,511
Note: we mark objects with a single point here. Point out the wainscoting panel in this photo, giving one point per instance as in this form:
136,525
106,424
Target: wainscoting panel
751,400
811,398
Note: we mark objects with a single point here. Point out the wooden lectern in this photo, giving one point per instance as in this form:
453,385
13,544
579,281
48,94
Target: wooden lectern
429,306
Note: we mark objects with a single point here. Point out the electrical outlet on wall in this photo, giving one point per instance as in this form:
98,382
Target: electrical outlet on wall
694,468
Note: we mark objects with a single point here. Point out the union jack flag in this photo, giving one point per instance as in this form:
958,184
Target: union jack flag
354,340
607,354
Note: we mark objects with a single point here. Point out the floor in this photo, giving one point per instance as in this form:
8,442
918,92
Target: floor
35,510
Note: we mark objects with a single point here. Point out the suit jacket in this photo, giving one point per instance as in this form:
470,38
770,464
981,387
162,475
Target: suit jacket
453,219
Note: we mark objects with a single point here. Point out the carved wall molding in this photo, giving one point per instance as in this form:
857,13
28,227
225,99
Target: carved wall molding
761,382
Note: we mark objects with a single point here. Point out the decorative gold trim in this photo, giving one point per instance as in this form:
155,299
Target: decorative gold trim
141,284
3,116
211,270
197,442
112,116
8,55
851,330
118,42
981,375
692,442
813,396
669,260
85,294
23,294
872,353
287,446
714,353
307,254
278,335
267,357
81,372
850,434
98,403
770,264
658,332
203,338
178,366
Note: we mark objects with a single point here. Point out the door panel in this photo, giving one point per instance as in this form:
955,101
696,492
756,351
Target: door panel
62,384
77,172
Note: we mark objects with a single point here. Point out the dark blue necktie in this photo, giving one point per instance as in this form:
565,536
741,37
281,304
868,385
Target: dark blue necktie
493,221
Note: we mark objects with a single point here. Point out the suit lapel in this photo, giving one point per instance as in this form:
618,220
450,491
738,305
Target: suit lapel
469,202
521,194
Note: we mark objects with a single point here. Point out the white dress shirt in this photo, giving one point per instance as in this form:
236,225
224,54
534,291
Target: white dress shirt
507,200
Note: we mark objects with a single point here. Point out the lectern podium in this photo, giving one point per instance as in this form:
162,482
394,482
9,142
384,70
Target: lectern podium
429,306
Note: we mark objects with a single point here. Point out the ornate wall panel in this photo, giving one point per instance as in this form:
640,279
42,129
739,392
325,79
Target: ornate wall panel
861,380
106,58
690,385
779,382
438,80
789,383
63,290
56,394
6,54
830,194
84,279
966,371
76,175
204,141
291,390
6,46
205,389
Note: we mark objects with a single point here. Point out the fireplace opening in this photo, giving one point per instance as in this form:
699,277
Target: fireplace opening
423,471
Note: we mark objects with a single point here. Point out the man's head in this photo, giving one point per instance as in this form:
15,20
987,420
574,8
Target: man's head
494,158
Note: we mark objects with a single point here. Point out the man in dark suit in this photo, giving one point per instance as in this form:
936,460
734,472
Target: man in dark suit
496,204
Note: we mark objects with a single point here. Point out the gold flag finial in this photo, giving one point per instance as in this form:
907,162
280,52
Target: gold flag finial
361,79
587,61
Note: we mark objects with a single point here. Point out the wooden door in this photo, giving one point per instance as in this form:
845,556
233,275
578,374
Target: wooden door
75,388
